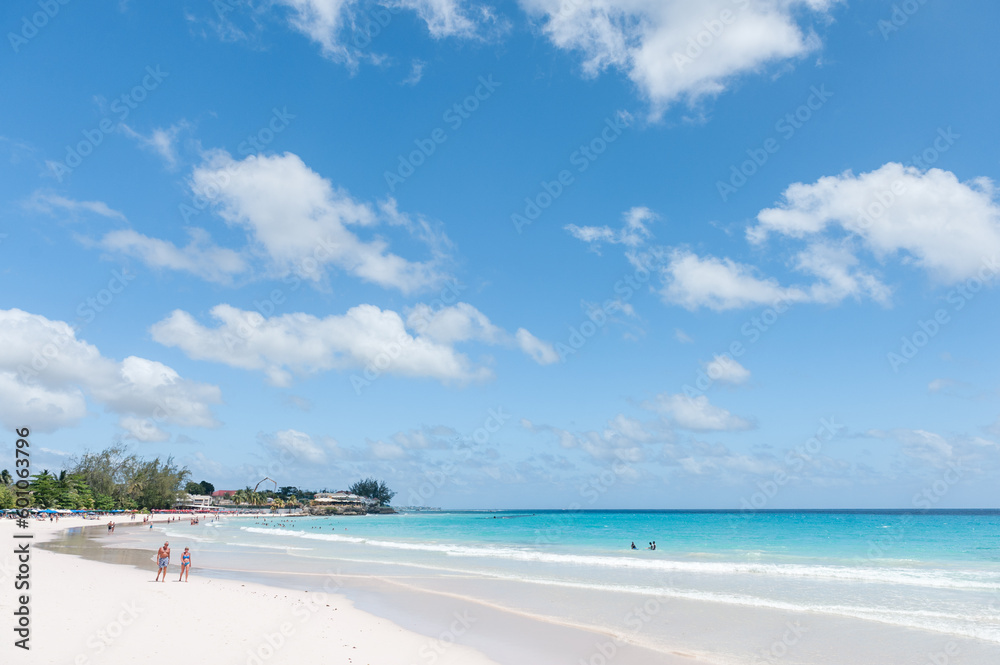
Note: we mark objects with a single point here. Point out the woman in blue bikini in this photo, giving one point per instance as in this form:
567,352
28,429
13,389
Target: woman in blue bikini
185,565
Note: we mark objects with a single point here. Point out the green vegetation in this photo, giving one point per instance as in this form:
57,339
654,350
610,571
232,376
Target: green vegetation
109,480
121,480
284,498
116,479
203,487
373,489
7,496
68,490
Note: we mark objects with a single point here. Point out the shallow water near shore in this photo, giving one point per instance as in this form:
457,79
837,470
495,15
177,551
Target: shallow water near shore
720,587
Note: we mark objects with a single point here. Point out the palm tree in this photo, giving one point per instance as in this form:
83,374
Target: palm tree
5,477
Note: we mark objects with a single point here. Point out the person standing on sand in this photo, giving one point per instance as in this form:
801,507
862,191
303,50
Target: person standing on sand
162,561
185,565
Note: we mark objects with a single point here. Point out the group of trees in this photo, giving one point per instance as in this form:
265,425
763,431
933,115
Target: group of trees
7,495
289,497
293,493
203,487
117,479
109,480
249,497
373,489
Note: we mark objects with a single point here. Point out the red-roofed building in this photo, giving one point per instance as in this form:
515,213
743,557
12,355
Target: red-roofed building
223,497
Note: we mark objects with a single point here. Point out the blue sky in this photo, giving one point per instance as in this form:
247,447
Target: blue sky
650,254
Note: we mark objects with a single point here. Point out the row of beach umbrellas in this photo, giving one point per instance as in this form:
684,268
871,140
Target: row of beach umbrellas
60,511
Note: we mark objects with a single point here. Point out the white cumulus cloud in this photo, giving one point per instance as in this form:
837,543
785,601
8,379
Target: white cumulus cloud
680,50
365,336
634,231
302,223
161,141
295,444
541,352
720,284
930,218
47,375
327,22
200,257
725,369
697,413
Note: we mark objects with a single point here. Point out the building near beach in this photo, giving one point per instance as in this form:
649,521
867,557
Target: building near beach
223,497
194,502
341,503
339,498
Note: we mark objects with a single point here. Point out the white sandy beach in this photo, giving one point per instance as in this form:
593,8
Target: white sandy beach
85,612
111,611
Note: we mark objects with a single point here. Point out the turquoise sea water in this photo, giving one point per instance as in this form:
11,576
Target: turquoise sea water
937,573
952,537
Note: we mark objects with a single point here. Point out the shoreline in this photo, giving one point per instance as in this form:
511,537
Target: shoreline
84,611
480,616
409,625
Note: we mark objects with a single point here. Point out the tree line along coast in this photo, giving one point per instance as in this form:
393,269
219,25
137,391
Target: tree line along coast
116,479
